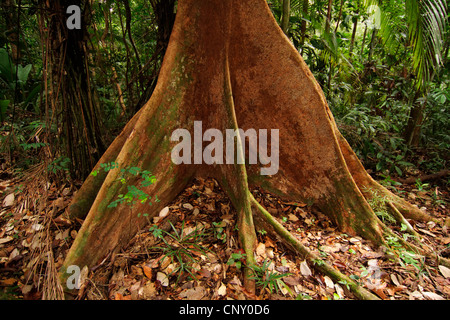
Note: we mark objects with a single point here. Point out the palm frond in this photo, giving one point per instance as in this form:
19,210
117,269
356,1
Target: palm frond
426,20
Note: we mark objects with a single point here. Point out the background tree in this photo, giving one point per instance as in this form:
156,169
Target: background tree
70,101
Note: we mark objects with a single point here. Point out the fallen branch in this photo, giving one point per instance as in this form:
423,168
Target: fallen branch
428,177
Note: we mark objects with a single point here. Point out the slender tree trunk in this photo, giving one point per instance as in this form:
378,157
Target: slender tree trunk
352,41
328,21
372,44
285,16
363,42
9,12
305,8
415,121
339,16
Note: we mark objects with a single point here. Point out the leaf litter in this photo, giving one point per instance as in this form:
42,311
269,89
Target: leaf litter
35,237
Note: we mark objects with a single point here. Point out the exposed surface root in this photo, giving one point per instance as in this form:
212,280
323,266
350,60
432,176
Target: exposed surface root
313,259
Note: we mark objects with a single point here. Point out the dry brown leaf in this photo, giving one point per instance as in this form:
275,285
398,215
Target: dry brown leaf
445,271
304,269
222,290
6,240
148,291
147,271
432,296
9,200
8,282
261,250
162,278
193,294
164,212
328,282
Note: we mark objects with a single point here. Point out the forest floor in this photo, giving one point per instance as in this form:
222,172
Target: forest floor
196,256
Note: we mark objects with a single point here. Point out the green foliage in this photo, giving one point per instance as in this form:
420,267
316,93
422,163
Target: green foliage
236,259
378,204
59,164
219,231
406,257
267,278
134,193
181,247
373,76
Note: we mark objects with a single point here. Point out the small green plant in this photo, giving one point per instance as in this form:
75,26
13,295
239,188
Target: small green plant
134,193
421,186
378,204
219,231
267,278
236,259
180,247
59,164
262,232
319,262
303,296
406,257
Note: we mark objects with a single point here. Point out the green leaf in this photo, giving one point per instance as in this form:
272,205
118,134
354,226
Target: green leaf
3,106
23,72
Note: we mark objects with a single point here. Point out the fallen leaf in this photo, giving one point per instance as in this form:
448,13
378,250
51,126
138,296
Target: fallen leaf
193,294
37,227
304,269
14,254
6,240
415,295
355,240
222,290
205,273
339,290
395,280
445,271
164,212
236,281
261,250
148,291
291,280
162,278
328,282
83,275
380,293
432,296
188,206
9,200
59,203
147,271
8,282
119,296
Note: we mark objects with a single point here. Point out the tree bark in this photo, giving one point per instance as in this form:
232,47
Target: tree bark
352,41
413,128
222,67
328,21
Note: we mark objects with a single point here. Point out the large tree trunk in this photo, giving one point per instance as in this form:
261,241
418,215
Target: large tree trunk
223,67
